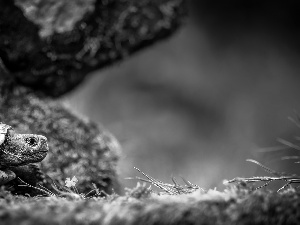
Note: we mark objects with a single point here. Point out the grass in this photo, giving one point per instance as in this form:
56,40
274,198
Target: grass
141,205
289,179
277,176
170,189
175,203
241,202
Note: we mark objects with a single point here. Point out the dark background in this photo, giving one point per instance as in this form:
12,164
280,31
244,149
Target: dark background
203,101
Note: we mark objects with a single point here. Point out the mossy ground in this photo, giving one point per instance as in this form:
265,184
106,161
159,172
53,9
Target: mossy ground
234,205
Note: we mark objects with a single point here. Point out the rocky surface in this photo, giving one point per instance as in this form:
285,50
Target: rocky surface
51,46
77,146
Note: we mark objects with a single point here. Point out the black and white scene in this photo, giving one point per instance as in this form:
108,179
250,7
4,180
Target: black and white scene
149,112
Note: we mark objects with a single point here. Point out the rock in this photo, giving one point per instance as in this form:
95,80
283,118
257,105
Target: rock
52,45
77,146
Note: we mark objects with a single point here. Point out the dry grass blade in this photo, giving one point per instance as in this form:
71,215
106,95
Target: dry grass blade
290,179
295,120
157,183
41,188
272,149
171,189
289,144
267,169
292,157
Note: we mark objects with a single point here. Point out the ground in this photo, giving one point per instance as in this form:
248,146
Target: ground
140,206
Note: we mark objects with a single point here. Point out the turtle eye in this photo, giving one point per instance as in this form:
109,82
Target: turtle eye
31,141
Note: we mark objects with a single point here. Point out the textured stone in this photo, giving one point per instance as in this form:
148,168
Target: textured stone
52,45
77,147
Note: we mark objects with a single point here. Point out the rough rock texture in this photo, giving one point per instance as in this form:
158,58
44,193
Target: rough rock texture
52,45
77,147
213,207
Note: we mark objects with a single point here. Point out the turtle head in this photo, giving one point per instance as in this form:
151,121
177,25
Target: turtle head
20,149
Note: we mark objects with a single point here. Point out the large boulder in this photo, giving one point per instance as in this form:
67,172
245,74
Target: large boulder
52,45
77,146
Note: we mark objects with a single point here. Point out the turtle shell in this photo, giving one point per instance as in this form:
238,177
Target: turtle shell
3,131
4,128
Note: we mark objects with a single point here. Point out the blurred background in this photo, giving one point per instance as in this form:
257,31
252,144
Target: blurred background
200,103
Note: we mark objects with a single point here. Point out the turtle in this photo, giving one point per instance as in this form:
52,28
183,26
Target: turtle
18,153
